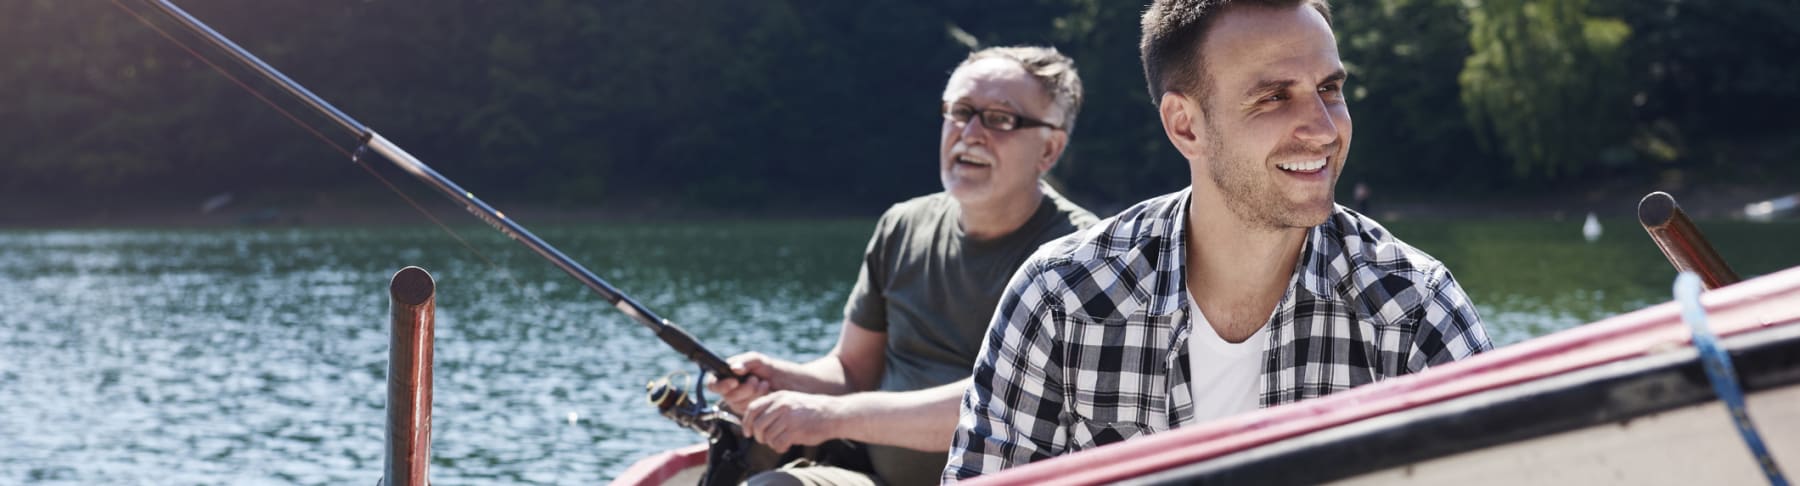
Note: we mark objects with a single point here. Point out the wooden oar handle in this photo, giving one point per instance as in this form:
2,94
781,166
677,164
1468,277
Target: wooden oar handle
1681,241
413,310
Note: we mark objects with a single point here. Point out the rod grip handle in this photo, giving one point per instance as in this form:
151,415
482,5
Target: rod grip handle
685,344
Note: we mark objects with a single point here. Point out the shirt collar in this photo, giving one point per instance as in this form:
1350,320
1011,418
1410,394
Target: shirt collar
1166,237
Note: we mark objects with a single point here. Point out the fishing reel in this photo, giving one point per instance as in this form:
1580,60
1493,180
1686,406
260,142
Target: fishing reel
686,408
730,457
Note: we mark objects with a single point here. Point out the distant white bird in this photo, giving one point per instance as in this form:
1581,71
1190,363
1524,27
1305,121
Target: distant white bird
215,203
1765,211
1591,228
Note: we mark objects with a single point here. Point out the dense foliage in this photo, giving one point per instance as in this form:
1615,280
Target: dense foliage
785,104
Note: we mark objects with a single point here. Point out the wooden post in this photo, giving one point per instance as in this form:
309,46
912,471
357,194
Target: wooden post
1681,241
413,307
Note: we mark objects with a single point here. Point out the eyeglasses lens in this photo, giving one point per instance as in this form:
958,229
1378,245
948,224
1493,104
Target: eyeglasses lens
999,120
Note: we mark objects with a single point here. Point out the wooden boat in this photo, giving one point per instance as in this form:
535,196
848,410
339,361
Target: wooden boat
680,466
1622,400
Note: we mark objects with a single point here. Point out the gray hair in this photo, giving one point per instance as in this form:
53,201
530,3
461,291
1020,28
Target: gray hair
1052,69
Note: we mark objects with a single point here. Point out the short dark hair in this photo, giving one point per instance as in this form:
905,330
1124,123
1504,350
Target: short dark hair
1052,69
1173,31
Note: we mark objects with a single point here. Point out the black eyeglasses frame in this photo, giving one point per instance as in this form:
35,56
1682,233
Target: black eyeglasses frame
1020,121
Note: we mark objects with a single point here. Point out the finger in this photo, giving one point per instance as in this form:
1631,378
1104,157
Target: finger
753,417
740,359
775,432
755,366
736,363
742,393
720,387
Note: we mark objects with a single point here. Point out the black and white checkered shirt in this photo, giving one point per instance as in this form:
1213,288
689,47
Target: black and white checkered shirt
1089,343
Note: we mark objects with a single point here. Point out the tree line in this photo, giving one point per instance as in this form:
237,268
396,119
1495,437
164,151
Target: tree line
795,104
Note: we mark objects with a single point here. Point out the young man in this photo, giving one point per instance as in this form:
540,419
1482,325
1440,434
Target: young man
930,279
1249,289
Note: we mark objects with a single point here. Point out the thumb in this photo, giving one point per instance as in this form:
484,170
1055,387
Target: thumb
755,364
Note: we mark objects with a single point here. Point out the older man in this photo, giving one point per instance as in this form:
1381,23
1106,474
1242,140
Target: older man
930,279
1249,289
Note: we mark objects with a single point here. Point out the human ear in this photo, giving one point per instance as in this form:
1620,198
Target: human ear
1180,118
1053,149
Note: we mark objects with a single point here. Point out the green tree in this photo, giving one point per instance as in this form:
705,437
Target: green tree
1119,152
1412,133
1546,83
1714,83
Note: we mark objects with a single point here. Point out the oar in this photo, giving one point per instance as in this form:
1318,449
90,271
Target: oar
671,334
1681,241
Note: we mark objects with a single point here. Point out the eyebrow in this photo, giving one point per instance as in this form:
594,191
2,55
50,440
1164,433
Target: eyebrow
1274,85
1338,75
1008,104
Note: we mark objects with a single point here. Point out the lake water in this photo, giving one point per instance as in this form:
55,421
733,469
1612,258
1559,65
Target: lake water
258,356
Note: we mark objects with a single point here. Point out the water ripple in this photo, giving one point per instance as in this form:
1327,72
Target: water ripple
259,356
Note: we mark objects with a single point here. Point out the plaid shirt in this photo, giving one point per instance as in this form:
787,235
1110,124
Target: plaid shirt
1089,343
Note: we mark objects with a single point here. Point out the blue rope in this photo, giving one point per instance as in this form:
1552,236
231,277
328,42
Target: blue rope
1717,364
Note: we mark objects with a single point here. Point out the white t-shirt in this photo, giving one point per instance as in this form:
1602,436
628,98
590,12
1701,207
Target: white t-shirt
1225,375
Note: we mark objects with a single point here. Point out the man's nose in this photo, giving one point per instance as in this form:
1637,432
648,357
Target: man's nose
1317,128
970,130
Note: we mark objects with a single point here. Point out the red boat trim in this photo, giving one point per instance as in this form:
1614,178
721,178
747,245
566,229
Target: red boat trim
658,468
1763,302
1617,393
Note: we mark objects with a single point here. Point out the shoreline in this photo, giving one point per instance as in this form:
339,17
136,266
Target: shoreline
168,216
323,210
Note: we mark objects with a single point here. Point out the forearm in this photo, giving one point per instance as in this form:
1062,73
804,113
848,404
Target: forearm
921,419
854,365
823,376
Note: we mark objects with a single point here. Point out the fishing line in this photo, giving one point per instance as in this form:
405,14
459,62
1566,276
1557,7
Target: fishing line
234,79
353,156
673,335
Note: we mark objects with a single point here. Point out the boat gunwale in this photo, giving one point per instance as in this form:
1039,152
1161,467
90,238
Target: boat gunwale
1736,309
1613,393
660,467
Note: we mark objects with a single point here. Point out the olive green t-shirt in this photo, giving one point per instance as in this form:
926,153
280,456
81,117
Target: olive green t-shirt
933,291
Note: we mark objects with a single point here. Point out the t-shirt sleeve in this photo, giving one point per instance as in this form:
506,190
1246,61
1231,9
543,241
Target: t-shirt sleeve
868,304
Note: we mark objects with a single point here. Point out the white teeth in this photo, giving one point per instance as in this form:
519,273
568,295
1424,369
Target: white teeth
969,159
1308,166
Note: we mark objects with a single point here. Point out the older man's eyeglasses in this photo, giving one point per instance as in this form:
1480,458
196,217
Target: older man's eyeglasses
993,119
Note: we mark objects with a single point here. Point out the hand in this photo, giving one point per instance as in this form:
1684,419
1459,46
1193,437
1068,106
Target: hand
759,375
784,419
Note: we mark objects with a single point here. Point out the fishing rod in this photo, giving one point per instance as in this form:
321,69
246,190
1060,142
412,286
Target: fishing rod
372,142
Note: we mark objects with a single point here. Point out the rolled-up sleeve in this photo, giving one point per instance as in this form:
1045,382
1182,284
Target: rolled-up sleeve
1013,412
1451,329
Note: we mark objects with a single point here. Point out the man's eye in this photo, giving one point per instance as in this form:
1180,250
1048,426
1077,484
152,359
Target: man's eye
961,112
1332,92
1000,120
1274,98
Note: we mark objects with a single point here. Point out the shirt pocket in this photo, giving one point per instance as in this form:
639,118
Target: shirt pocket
1090,434
1117,374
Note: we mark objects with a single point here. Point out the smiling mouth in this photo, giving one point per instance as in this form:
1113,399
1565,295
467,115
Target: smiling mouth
974,160
1306,167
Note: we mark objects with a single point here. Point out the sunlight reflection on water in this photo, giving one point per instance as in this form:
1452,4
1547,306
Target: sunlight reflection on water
258,355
